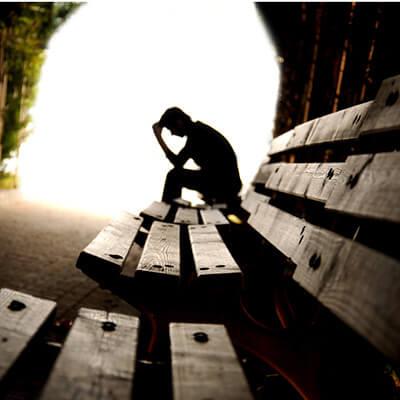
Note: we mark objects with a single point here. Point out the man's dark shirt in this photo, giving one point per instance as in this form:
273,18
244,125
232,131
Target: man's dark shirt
213,154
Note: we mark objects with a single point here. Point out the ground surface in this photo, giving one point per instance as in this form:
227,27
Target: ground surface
39,245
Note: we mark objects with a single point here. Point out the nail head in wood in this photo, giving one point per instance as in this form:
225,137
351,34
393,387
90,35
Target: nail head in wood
392,98
200,337
108,326
315,261
16,305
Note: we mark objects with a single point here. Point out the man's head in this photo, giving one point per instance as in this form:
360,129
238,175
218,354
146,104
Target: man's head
176,121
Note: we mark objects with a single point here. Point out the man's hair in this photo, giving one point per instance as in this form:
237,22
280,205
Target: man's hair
170,116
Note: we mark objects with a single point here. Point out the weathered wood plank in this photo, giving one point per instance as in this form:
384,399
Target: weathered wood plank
280,177
252,199
277,170
161,253
281,229
372,189
384,113
263,173
111,246
315,257
297,179
339,126
325,128
300,134
352,120
358,284
301,179
157,210
204,364
211,256
97,360
186,216
21,317
279,144
324,179
213,216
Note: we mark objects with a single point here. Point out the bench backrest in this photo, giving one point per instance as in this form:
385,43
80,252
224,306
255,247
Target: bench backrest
328,199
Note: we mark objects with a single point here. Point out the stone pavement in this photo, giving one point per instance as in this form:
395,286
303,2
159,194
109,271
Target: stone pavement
39,245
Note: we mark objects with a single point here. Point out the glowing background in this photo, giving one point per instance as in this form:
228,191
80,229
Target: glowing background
111,72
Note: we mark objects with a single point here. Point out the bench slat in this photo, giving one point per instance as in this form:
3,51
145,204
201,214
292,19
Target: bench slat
280,176
279,144
161,253
359,285
384,114
300,134
111,246
294,178
252,199
204,364
372,189
263,173
187,216
324,179
97,360
213,217
339,126
21,317
211,257
352,120
314,181
278,227
157,210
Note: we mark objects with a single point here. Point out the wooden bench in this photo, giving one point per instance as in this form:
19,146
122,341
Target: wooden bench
296,294
103,356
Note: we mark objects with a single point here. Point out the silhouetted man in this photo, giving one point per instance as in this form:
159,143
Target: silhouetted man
218,179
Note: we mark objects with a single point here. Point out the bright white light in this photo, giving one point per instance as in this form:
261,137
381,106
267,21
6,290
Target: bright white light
112,71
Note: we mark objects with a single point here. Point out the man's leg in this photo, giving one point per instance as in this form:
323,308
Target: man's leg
178,178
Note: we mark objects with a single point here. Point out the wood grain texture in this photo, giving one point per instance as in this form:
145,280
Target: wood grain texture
21,317
372,189
384,113
352,121
211,256
252,199
97,360
325,127
279,228
277,170
364,292
157,210
279,144
299,179
324,179
186,216
207,369
315,257
213,217
161,252
281,176
359,285
339,126
263,173
300,134
111,246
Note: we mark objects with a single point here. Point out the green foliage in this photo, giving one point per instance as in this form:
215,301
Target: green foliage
27,28
8,181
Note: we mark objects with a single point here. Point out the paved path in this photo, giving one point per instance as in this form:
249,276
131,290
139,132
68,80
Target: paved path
39,245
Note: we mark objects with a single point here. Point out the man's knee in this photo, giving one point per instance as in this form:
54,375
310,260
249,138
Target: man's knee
174,174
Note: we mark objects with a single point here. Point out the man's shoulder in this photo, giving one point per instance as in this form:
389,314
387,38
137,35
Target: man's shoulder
205,129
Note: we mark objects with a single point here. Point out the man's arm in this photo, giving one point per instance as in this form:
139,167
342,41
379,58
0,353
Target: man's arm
178,160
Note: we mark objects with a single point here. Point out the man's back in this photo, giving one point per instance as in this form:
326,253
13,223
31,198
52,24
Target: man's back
210,150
